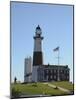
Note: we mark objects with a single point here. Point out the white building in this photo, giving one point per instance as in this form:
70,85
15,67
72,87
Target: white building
28,69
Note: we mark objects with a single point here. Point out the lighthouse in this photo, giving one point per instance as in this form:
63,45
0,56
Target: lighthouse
37,54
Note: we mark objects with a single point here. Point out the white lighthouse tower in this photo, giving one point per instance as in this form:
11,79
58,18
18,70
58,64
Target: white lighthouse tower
37,54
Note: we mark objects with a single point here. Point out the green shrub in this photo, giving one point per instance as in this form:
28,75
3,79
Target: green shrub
34,84
15,92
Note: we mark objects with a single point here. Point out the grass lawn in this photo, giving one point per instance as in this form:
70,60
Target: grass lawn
40,88
64,84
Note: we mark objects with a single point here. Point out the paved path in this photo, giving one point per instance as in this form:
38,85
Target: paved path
63,89
60,88
51,85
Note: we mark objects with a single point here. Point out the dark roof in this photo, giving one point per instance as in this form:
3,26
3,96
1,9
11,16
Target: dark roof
38,27
55,66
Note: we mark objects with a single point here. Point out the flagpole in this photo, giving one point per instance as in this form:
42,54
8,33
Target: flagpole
58,57
57,49
58,63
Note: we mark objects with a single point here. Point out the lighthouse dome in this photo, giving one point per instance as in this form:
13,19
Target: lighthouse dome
38,30
38,27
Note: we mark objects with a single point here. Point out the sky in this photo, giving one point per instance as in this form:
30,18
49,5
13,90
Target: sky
56,22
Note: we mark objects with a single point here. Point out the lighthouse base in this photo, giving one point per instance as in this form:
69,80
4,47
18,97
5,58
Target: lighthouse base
35,74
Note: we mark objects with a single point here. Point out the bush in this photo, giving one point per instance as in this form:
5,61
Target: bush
56,87
34,84
15,93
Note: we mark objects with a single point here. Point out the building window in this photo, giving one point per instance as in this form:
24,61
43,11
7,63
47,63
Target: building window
51,76
54,76
67,77
54,70
51,71
45,76
47,71
61,71
67,72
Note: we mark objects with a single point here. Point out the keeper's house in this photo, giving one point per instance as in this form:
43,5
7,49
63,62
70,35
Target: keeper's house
52,73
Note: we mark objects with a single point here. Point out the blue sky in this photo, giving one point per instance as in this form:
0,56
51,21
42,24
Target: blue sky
56,22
